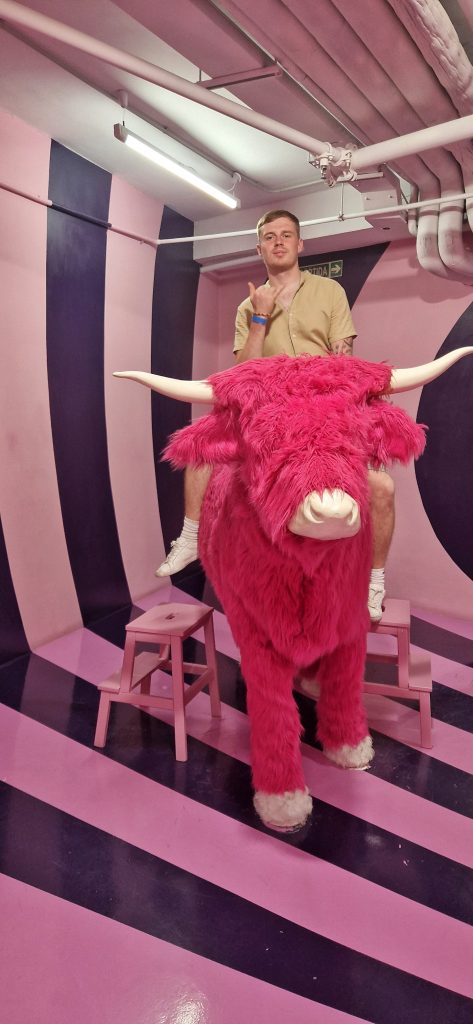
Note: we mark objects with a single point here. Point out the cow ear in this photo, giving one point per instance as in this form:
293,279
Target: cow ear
392,435
210,440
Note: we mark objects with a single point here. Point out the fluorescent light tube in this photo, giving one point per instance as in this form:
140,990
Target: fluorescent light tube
146,149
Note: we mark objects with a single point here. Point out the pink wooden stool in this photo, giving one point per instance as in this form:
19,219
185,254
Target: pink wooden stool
166,626
414,673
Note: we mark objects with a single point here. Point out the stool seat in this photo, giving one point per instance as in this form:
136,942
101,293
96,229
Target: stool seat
171,620
165,626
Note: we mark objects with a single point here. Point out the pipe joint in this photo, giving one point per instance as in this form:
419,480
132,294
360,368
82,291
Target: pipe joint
334,165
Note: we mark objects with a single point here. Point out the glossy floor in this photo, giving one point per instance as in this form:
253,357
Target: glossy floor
136,890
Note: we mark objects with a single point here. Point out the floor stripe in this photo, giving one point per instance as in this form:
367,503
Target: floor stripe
306,890
462,627
441,641
130,977
394,807
242,935
396,762
145,743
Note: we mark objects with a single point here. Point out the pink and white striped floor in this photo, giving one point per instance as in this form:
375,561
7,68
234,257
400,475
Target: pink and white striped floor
136,890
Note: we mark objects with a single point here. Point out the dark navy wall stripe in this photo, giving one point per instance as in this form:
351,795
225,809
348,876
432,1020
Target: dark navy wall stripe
75,283
13,642
209,921
357,266
444,470
142,743
174,301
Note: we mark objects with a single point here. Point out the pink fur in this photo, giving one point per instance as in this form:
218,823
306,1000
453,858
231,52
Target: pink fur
280,429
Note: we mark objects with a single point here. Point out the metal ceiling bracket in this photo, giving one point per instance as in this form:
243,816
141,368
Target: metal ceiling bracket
239,77
334,165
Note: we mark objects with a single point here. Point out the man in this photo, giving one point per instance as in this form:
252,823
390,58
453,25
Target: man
294,312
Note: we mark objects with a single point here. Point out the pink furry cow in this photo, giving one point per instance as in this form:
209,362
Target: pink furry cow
285,539
283,429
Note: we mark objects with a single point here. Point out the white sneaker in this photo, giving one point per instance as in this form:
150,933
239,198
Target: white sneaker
376,597
182,553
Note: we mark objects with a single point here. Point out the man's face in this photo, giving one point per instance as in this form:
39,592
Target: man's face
279,245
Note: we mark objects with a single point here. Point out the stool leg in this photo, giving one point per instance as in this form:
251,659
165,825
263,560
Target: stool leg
180,735
211,660
403,657
425,719
126,675
102,720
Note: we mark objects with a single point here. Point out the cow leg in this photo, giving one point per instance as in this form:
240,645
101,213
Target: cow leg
281,797
342,726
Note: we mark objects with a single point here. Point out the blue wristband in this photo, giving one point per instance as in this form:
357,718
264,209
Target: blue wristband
256,319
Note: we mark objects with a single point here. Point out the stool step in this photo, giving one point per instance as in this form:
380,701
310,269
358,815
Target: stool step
144,664
396,615
419,675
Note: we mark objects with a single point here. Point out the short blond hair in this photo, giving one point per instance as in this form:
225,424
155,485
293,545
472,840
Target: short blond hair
271,215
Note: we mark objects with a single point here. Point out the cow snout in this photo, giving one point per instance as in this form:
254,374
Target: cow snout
331,515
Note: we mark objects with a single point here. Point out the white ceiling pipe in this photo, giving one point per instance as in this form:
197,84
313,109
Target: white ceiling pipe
432,203
415,142
394,113
383,152
436,38
15,14
334,54
316,90
427,245
412,216
396,51
428,248
433,34
325,78
451,243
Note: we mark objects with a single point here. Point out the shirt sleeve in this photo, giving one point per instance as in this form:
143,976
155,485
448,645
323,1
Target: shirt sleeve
341,323
242,328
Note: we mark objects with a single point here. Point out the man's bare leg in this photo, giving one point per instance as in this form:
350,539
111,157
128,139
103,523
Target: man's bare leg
184,549
382,520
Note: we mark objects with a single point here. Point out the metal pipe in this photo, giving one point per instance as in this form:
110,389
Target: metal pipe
414,142
403,208
367,157
26,18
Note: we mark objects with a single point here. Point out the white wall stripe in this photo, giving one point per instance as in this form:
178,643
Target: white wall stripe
127,345
31,512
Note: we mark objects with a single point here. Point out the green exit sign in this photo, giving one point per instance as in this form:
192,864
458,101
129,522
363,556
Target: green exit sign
332,269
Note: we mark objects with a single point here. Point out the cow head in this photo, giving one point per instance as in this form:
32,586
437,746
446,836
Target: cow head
302,432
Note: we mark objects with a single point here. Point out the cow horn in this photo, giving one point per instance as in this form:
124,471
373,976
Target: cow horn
417,376
199,391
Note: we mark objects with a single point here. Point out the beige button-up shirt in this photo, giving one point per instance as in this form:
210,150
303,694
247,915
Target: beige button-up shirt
319,314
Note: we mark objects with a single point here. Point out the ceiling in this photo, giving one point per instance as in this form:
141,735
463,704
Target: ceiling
338,72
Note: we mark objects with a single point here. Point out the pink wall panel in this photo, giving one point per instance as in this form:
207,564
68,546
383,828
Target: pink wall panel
206,336
127,345
30,506
403,315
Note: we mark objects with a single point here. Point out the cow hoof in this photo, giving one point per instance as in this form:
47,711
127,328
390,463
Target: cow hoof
310,686
284,812
352,757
